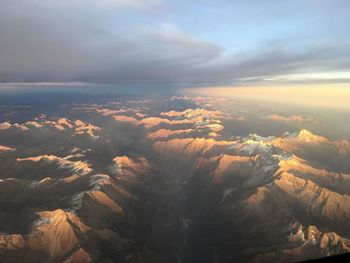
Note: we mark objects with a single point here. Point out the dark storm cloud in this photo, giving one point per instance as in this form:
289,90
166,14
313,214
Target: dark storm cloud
55,42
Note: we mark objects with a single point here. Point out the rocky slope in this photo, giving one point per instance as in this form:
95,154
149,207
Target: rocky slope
142,181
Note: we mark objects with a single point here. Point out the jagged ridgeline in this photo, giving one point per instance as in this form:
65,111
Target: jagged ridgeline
175,179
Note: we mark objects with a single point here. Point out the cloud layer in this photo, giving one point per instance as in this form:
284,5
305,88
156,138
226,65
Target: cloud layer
152,41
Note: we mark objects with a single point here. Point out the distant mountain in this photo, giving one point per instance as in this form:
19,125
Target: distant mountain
139,181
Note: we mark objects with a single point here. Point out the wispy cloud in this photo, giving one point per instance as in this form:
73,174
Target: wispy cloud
104,3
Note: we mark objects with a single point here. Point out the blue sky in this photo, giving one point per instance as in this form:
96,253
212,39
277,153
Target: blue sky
175,43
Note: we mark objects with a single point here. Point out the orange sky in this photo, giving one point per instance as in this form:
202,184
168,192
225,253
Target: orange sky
333,96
